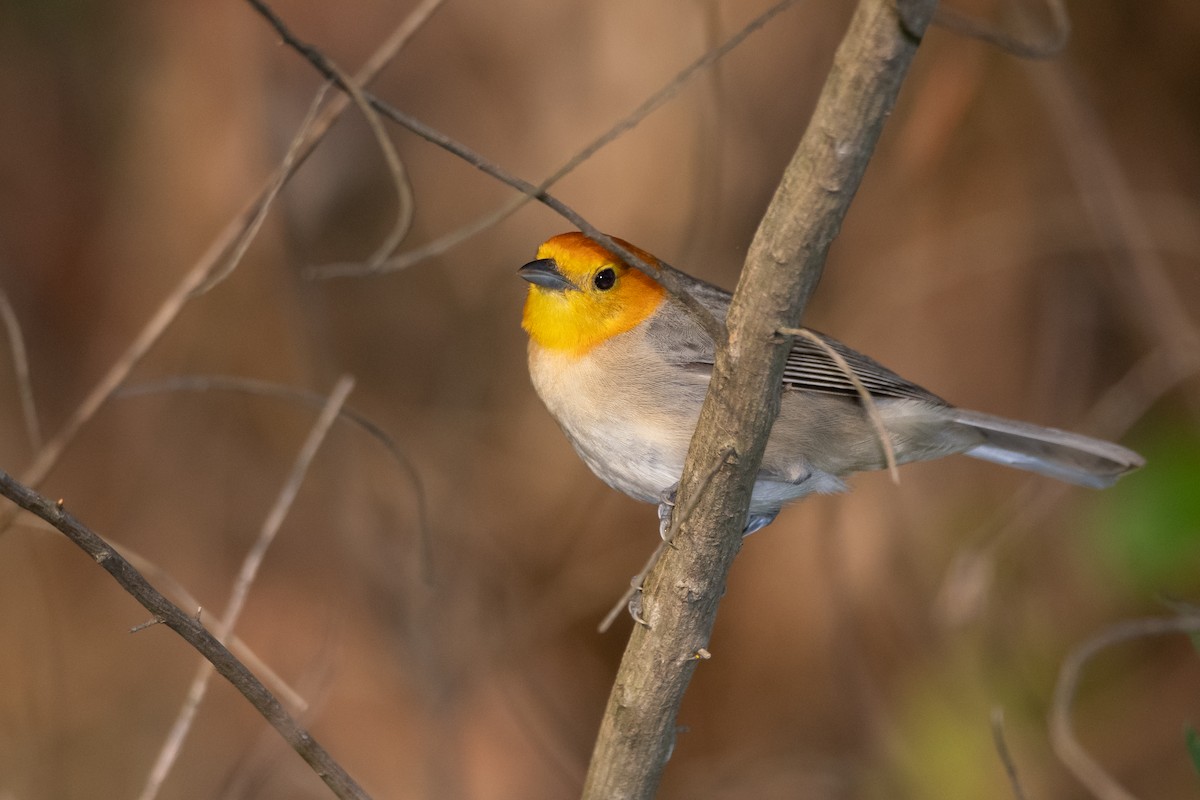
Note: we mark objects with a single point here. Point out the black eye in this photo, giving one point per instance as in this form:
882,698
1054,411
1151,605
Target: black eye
604,279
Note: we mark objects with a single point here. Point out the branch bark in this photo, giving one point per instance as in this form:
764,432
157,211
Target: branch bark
782,269
191,630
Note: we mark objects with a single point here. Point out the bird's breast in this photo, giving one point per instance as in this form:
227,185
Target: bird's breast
628,413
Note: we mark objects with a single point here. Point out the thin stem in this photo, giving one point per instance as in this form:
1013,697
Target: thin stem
191,630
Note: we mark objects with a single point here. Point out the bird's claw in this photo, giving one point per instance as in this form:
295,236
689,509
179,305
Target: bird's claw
635,607
756,522
666,510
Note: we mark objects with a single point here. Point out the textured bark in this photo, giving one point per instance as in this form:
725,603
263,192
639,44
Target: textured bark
782,268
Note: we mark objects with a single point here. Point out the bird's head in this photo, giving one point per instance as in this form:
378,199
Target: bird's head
581,294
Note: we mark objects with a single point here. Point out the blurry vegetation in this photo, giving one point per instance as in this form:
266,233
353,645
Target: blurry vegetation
1148,530
973,262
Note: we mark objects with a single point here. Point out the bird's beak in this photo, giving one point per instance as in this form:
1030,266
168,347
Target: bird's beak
545,273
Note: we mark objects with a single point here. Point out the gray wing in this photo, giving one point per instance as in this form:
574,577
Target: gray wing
809,368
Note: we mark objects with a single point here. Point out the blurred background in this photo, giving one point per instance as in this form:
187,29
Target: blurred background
1026,243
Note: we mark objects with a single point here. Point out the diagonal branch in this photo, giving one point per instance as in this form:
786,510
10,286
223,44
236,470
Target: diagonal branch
782,269
192,631
173,743
213,263
430,134
616,131
20,359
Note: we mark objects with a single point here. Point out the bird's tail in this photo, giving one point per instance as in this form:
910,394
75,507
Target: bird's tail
1047,451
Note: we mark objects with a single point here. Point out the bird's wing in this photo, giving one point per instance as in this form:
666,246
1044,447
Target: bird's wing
810,368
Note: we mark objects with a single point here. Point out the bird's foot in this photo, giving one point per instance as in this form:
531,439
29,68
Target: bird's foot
756,522
635,607
666,510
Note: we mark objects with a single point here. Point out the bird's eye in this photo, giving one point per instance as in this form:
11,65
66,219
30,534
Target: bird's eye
605,279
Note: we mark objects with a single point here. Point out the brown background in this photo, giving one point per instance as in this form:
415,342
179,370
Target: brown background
1026,236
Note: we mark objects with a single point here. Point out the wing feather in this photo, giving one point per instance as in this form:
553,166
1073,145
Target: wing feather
809,368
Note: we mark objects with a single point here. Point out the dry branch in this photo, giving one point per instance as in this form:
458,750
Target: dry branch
20,358
616,131
430,134
1062,732
173,743
192,631
781,271
215,261
310,399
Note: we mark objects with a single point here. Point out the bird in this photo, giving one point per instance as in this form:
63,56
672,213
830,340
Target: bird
623,366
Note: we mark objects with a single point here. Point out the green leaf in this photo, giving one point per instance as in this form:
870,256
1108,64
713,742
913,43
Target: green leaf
1192,741
1148,526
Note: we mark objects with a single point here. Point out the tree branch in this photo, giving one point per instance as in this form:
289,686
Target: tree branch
173,744
213,263
1062,732
192,631
782,268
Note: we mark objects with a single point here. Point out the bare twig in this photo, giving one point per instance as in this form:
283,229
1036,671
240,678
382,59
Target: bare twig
1049,44
241,588
1135,265
1062,733
180,596
968,579
782,268
209,264
242,650
192,631
20,357
1010,766
254,224
872,410
206,383
685,511
623,126
635,586
404,194
680,516
711,324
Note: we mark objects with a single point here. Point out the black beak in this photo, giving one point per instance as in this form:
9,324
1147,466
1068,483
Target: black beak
544,272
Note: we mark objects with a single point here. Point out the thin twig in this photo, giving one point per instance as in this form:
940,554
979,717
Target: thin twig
714,327
623,126
173,743
869,405
678,518
1104,189
20,357
1010,766
635,586
1062,733
247,234
208,264
404,193
253,386
968,579
191,630
1051,44
183,597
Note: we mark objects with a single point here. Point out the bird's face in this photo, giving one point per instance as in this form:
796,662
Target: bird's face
581,295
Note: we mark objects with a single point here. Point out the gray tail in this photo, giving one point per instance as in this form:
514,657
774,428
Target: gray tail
1047,451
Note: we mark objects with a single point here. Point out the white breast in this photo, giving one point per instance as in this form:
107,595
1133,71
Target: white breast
630,419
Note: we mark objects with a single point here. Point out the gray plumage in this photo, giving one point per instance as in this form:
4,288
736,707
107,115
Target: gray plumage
822,433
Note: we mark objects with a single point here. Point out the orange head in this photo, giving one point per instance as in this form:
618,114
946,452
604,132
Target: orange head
581,294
